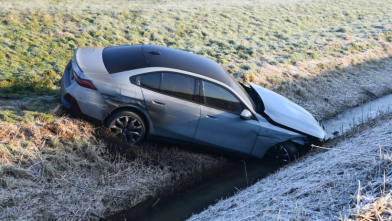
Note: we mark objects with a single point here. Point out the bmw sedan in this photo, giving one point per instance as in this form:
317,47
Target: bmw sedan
147,91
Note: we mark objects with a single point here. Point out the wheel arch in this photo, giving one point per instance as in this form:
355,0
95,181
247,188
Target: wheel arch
297,141
264,143
143,114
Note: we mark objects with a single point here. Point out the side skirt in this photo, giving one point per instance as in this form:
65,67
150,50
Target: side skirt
214,149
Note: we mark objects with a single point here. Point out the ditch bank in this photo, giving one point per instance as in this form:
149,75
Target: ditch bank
330,93
349,181
228,181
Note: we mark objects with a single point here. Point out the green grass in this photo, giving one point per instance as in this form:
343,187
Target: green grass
28,109
25,117
38,39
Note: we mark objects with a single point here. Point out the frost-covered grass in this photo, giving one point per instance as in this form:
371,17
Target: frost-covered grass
39,37
326,91
321,54
350,182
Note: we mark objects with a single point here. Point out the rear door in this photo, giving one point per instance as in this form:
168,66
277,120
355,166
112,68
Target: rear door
171,102
220,122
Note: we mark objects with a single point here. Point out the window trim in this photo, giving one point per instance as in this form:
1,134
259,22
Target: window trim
199,78
136,79
194,87
202,97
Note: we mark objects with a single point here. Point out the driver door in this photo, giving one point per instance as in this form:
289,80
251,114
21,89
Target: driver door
220,123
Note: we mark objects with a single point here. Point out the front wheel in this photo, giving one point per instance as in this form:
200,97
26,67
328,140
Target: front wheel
284,152
127,125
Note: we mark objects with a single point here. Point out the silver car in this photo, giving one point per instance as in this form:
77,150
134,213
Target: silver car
141,91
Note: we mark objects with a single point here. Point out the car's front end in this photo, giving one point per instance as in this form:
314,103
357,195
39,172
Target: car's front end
281,121
286,114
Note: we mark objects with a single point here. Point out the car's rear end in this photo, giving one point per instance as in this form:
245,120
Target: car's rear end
78,93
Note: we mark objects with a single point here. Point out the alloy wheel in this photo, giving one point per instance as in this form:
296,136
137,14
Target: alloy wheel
128,128
280,153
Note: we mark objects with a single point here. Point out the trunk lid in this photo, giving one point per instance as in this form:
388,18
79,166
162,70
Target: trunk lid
89,60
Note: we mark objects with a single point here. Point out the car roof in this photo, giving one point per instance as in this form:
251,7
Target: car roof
131,57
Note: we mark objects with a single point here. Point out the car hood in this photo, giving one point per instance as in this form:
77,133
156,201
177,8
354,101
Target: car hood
287,113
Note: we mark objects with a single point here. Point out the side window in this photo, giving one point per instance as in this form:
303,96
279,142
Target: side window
218,97
178,85
151,81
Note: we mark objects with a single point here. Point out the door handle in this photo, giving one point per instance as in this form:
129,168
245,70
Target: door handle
210,116
158,102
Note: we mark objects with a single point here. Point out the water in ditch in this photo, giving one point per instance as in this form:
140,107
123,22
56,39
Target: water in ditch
221,184
240,174
345,121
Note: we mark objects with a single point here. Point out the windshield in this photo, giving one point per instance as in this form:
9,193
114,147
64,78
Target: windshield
241,91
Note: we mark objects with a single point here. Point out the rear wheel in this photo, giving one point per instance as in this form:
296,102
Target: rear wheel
127,125
284,152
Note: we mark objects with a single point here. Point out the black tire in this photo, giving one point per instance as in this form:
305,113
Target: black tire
127,125
284,152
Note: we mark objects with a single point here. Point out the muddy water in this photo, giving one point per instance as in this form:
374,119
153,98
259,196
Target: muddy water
343,122
240,174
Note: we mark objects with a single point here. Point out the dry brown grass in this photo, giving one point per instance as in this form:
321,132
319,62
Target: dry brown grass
63,170
378,208
266,74
26,139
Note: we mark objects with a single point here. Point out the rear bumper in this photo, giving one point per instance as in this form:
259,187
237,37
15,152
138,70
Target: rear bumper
74,109
65,99
82,102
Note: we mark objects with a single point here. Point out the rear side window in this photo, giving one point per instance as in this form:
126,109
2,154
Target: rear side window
178,85
218,97
151,81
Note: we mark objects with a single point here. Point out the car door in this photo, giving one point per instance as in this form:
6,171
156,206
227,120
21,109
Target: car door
220,122
170,100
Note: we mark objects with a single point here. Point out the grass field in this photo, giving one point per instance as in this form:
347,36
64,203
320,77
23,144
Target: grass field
39,37
325,55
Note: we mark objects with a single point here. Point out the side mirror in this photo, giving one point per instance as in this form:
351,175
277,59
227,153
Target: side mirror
245,114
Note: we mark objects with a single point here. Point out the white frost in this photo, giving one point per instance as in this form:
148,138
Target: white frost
346,183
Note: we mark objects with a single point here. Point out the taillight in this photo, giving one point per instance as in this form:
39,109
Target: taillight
83,82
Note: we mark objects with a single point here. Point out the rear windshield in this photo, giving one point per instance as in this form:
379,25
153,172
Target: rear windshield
123,58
